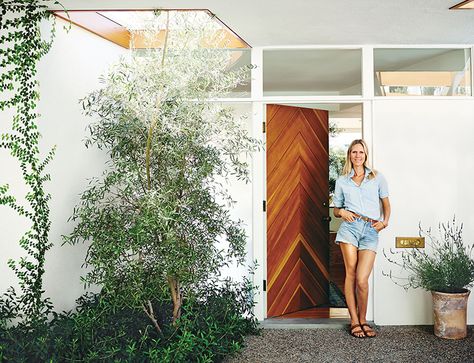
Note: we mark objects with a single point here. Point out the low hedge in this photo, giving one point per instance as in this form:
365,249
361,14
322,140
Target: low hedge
214,321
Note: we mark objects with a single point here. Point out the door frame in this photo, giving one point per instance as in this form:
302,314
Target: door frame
259,190
259,193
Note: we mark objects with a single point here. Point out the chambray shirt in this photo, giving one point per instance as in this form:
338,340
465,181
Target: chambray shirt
363,199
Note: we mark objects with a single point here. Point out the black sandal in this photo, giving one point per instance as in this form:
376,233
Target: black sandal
354,333
367,331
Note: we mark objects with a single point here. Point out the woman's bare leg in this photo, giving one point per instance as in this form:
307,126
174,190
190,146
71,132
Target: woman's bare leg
365,264
349,252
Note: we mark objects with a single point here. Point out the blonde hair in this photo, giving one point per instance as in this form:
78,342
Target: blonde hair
346,170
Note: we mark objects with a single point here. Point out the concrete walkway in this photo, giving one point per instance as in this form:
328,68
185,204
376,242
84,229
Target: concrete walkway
334,344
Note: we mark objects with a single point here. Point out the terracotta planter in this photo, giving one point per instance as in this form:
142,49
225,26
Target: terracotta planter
450,314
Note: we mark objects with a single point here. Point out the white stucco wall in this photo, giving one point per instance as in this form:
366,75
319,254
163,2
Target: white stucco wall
241,193
66,74
424,148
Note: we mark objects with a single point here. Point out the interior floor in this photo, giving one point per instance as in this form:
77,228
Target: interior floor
317,313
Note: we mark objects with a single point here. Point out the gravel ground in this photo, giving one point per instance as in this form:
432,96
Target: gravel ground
392,344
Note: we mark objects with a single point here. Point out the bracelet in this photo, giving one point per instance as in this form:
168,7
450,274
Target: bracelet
384,225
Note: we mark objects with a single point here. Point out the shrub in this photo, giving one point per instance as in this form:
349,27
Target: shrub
213,325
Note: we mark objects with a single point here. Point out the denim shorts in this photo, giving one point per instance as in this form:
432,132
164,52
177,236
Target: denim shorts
358,233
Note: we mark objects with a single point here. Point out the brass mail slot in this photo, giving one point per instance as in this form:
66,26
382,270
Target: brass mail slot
410,242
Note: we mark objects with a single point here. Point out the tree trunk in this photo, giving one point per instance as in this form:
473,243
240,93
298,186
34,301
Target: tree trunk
176,295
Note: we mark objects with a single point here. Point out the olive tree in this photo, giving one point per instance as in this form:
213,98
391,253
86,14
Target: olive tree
153,219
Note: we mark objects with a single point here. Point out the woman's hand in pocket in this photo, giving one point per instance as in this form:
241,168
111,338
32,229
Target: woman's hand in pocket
378,226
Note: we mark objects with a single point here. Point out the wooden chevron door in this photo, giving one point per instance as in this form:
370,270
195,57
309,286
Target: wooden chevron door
297,211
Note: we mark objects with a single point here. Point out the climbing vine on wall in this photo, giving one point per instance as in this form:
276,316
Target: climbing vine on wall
21,47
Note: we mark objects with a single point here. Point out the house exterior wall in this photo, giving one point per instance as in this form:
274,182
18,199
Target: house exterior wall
68,73
424,148
421,145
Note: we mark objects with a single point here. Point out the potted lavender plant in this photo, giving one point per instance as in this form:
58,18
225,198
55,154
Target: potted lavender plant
446,269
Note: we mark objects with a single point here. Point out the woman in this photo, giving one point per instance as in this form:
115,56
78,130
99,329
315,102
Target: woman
357,197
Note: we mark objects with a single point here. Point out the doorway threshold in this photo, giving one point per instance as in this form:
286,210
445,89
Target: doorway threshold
312,318
305,323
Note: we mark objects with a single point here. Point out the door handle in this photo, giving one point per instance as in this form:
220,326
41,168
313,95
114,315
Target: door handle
325,204
326,219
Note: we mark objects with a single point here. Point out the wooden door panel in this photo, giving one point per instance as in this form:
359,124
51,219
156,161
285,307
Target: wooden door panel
287,229
275,286
297,186
284,186
298,151
298,133
281,123
322,131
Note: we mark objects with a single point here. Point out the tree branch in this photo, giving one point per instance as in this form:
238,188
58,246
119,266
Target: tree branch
151,314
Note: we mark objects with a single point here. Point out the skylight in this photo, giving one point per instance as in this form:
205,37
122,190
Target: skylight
465,5
119,26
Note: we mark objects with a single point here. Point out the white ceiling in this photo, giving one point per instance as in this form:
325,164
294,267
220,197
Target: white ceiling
304,22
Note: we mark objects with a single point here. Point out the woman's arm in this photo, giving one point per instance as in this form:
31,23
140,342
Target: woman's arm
386,215
337,212
386,211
